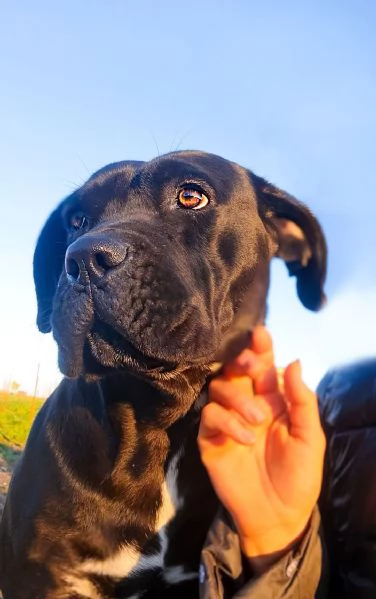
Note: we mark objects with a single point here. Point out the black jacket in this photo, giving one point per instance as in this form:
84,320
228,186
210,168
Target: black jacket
345,564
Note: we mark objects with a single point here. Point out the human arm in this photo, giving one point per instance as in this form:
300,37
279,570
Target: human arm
263,447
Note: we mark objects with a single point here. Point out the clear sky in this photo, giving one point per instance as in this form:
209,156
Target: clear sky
287,89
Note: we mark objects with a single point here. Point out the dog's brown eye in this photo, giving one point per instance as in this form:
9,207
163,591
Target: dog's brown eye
77,221
191,198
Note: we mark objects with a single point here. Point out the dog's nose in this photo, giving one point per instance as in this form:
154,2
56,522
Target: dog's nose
90,258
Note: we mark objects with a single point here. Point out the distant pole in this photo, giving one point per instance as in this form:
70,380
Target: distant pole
36,380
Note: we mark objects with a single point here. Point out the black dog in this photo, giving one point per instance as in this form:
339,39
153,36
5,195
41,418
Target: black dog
148,275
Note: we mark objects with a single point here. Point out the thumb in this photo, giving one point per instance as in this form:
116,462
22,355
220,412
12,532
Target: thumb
304,413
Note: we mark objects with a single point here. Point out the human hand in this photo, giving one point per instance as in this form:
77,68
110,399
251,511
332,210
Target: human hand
262,444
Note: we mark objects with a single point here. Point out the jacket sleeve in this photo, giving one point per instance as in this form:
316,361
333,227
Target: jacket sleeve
300,574
347,397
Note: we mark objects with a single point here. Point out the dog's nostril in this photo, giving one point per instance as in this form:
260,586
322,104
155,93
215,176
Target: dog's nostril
109,257
103,261
72,268
88,260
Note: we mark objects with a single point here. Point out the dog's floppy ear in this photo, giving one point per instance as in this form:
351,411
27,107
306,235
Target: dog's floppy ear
298,239
48,263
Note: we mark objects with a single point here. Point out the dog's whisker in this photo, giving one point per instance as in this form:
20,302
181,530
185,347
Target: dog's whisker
155,142
172,147
84,164
183,138
73,185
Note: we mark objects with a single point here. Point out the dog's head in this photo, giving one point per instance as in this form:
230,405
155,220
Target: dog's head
151,264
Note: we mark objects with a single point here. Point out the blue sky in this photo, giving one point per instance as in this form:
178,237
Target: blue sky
287,89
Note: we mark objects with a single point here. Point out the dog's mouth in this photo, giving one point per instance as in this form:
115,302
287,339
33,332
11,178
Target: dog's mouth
106,348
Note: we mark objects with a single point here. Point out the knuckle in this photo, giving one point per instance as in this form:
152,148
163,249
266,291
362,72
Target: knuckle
211,413
216,386
207,411
201,444
233,423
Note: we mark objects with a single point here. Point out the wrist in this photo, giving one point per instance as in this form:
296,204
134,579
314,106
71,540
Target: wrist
265,551
275,542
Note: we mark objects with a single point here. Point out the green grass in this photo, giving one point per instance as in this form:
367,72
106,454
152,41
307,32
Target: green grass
9,454
16,417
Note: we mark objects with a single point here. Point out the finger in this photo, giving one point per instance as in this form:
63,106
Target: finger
274,407
247,363
304,413
216,420
261,346
261,342
236,394
262,372
266,381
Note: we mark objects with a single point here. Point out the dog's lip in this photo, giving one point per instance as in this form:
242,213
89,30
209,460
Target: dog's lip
104,338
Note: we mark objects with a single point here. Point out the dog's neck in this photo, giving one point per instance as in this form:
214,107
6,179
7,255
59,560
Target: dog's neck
160,399
153,421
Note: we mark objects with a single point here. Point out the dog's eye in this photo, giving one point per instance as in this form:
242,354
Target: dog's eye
191,198
77,221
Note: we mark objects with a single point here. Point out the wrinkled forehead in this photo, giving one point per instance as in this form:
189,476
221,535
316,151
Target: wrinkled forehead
221,175
164,175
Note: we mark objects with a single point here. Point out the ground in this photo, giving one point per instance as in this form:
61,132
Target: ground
17,413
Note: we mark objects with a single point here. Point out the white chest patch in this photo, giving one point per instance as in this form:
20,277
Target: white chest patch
128,560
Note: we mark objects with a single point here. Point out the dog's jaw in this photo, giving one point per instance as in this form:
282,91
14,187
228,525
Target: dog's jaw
70,333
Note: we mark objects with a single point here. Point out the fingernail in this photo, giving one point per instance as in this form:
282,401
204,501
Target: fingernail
247,436
254,414
245,361
298,365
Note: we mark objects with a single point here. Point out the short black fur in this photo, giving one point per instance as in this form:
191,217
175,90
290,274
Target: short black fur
142,299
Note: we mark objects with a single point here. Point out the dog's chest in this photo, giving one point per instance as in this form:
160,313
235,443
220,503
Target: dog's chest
128,564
